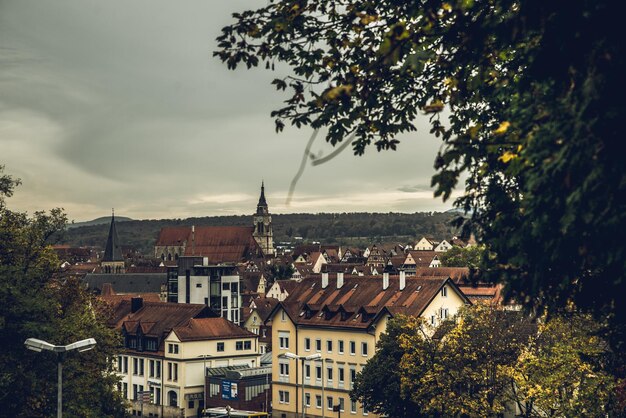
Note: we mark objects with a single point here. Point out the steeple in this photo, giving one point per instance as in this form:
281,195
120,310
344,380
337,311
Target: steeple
112,251
113,260
261,207
262,221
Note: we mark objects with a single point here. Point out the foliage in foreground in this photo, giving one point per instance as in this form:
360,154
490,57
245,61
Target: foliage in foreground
33,304
533,117
487,361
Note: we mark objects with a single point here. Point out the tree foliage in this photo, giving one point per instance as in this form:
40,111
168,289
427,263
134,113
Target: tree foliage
471,257
36,303
487,362
563,371
378,384
523,94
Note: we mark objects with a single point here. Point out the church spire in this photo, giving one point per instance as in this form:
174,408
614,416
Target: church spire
113,251
261,207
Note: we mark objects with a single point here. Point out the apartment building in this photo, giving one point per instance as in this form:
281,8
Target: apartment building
168,347
339,320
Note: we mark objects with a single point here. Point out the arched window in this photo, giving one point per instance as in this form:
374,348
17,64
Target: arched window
172,398
162,256
169,257
175,256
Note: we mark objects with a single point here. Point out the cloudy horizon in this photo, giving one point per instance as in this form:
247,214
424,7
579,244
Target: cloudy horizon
120,104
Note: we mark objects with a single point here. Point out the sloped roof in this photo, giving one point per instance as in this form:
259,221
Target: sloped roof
221,244
361,298
198,329
156,319
127,283
458,274
264,306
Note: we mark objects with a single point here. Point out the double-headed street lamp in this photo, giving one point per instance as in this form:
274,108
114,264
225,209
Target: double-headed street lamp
316,356
40,345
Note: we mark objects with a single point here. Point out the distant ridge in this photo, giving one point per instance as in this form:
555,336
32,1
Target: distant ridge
99,221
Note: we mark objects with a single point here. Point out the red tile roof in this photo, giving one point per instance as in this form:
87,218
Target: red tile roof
360,300
221,244
199,329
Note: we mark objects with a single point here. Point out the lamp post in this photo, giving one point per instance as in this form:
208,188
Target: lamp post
39,345
204,357
316,356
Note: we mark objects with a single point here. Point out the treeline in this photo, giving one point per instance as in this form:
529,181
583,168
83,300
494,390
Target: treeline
330,228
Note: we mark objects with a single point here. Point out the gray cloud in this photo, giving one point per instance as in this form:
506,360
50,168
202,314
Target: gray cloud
121,104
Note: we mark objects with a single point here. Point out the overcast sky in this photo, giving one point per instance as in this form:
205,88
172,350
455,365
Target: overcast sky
120,104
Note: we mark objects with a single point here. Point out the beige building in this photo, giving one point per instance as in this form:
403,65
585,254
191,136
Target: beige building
167,348
340,319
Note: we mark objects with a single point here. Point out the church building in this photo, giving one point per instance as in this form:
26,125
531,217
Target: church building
113,260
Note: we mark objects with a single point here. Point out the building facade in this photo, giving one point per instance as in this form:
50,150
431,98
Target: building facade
167,348
341,319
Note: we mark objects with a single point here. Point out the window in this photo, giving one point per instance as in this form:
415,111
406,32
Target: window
307,344
318,401
444,313
135,390
352,407
220,346
172,371
151,344
264,333
283,340
340,346
340,375
341,404
158,371
307,400
172,348
318,372
283,369
307,371
135,366
433,320
444,291
247,345
140,367
329,402
125,389
329,374
197,285
329,346
119,363
283,316
352,348
318,345
125,369
352,376
190,404
365,411
239,345
364,349
283,396
157,396
150,368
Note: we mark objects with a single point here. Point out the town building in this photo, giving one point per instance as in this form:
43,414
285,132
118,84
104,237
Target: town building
167,349
341,319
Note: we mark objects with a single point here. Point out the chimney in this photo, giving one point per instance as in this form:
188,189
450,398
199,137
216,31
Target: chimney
402,279
324,280
135,304
385,280
339,280
193,240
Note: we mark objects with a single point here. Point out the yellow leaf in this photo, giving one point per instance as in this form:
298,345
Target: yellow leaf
504,126
507,156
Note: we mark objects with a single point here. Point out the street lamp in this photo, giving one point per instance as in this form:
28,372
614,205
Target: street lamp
39,345
293,356
204,357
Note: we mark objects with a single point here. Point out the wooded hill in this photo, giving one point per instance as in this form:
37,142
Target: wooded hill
358,229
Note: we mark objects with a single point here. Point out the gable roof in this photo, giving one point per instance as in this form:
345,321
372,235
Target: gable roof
221,244
360,300
198,329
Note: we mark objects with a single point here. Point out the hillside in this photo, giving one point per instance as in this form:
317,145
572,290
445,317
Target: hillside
329,228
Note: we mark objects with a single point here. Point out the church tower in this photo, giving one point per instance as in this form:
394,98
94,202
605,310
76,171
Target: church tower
113,260
262,219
